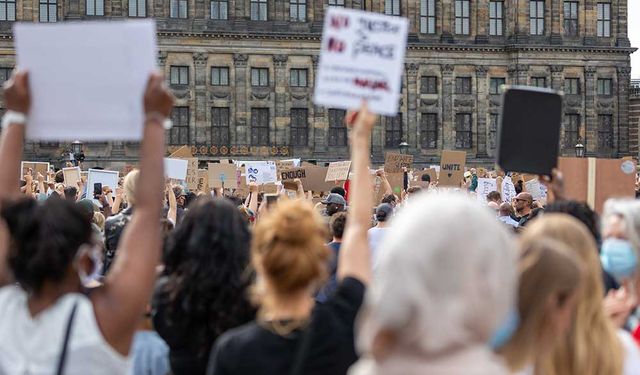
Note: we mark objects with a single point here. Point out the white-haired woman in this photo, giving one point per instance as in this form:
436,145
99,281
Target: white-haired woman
445,284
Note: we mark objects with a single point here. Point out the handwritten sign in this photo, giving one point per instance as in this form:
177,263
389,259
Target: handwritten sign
485,186
35,166
508,190
339,170
361,58
260,172
203,180
452,166
223,175
288,176
393,163
72,176
533,188
192,173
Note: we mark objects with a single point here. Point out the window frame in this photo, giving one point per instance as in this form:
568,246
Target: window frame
216,71
259,131
428,17
393,136
392,8
498,87
218,6
298,5
569,81
137,8
48,6
177,114
572,20
608,134
299,131
337,128
461,87
425,84
429,131
5,74
462,23
298,73
263,77
181,8
571,120
535,18
260,8
536,80
494,123
220,129
6,6
603,22
460,143
604,87
180,70
336,3
496,22
95,12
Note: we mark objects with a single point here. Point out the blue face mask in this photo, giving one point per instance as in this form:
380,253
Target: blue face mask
506,330
619,258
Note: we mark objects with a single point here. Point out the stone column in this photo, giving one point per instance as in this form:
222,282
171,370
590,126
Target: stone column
446,21
72,10
557,15
624,74
511,17
522,21
590,139
162,59
482,97
591,19
201,136
622,39
448,134
557,77
411,134
482,21
320,117
280,134
239,132
523,74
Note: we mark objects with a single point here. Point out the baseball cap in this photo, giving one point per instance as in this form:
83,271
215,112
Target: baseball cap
87,206
335,198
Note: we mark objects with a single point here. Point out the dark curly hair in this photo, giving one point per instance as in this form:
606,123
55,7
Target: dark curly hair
45,238
203,289
337,223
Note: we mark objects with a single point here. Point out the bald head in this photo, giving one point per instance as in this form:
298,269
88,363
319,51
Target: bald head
525,197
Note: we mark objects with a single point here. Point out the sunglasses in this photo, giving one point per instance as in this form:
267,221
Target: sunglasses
521,200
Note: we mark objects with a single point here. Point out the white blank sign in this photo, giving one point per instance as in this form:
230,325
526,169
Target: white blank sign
102,176
87,79
176,168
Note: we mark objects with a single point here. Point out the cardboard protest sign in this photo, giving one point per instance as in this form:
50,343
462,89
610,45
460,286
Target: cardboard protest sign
533,188
192,174
288,176
452,166
176,169
109,64
203,180
594,180
35,166
223,175
284,164
361,58
261,172
183,152
315,179
529,134
393,163
508,190
101,176
485,186
338,171
72,176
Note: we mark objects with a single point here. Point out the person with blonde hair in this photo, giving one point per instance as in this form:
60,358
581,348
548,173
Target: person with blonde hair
444,288
293,334
114,225
550,277
592,345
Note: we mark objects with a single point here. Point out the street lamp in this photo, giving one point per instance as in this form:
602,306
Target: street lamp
404,147
579,149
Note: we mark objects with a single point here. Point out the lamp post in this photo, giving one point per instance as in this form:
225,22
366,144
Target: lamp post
404,147
579,149
77,156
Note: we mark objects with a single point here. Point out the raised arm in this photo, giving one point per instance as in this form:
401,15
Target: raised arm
127,290
172,214
17,99
384,181
355,258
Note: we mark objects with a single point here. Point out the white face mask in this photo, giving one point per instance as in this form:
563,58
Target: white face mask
95,254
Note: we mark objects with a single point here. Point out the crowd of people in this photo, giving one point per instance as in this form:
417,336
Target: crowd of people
150,278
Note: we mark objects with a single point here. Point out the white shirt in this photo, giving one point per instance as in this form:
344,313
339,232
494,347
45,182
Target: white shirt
508,220
32,345
376,235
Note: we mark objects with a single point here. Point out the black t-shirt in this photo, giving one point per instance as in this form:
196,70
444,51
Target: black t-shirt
254,350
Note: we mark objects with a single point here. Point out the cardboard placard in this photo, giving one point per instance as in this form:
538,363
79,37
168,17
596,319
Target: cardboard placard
361,58
72,176
261,172
393,162
176,169
203,180
183,152
485,186
431,172
452,166
315,179
338,171
223,175
36,167
288,176
192,174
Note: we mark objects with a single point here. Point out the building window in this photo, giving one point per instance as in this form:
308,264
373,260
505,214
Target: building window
219,10
428,16
258,10
572,86
5,74
605,133
428,85
179,75
495,86
571,131
604,86
393,131
299,127
462,17
429,130
137,8
538,81
298,78
463,85
494,120
95,7
260,77
7,10
536,17
463,130
392,7
298,10
496,14
179,133
604,19
336,3
337,128
48,10
178,9
259,126
220,126
219,76
571,18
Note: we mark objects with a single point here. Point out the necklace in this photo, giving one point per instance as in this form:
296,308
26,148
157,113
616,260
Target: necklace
283,327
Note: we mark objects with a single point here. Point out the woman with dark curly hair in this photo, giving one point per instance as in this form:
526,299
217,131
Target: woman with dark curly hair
202,292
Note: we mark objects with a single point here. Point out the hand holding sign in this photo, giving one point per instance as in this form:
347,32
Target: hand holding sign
17,96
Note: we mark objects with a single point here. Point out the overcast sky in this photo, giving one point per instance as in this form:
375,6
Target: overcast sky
634,35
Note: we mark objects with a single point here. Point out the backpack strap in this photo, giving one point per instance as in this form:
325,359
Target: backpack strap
65,343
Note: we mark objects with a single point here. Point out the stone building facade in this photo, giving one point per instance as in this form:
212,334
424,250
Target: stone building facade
243,73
